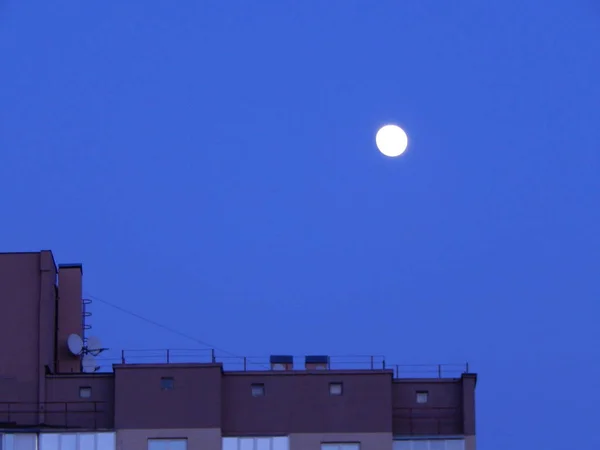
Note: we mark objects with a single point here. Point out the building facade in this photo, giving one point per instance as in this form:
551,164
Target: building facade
50,400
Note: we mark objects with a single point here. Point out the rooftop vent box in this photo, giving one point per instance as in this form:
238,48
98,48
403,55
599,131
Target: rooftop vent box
281,362
316,362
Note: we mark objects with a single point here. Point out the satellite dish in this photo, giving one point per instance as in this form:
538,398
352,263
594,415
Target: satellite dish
94,345
75,344
88,364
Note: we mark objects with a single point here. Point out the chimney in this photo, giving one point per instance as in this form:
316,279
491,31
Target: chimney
69,315
320,362
282,362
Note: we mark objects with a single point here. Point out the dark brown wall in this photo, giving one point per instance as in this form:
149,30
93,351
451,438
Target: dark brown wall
20,285
64,406
195,401
468,381
297,402
442,414
70,312
46,320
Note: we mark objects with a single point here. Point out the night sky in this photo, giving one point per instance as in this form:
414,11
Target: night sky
213,166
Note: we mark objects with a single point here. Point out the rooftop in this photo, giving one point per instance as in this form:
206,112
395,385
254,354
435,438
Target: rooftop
231,363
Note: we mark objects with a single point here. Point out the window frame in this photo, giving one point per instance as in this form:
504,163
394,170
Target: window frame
260,387
168,441
333,384
167,383
458,443
420,395
340,446
83,389
256,442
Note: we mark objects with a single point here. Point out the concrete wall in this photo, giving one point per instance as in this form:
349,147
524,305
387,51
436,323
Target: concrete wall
70,315
300,402
194,402
20,284
441,415
27,296
65,406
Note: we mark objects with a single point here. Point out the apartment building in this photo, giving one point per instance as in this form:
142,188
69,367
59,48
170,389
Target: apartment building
55,394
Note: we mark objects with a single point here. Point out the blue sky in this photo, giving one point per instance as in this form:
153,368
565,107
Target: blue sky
212,164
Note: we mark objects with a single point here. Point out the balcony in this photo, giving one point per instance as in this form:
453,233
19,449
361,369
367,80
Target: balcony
258,363
427,421
73,415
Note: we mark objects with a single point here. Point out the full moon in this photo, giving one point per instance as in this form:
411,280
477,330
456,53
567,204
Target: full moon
391,140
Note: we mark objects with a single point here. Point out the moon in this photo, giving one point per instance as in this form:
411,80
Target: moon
391,140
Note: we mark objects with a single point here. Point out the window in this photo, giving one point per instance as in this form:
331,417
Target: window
85,392
68,441
256,443
167,444
167,383
341,446
77,441
258,390
105,441
336,388
429,444
18,441
422,396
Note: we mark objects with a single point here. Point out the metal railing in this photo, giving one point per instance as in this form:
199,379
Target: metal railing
429,370
261,363
432,420
76,414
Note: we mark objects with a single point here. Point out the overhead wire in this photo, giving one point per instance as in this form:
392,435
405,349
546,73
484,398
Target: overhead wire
160,325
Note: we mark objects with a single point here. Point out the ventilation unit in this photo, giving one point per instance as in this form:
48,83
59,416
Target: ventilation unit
316,362
281,362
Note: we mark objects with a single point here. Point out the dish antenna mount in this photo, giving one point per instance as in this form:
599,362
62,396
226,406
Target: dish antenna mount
93,346
88,364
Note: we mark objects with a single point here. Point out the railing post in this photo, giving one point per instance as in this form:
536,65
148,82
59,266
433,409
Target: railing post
212,352
383,364
396,371
168,358
439,371
372,362
467,367
122,356
245,364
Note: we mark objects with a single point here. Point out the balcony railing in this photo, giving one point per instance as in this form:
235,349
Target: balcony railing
427,421
257,363
79,414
